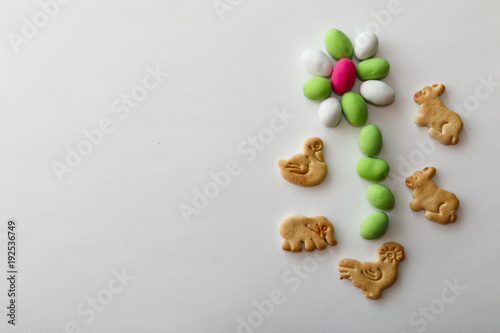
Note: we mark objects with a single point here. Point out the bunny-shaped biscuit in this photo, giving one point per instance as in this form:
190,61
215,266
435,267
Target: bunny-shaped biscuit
312,231
444,124
440,205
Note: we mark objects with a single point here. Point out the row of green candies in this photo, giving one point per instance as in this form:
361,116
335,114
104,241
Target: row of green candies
343,76
374,169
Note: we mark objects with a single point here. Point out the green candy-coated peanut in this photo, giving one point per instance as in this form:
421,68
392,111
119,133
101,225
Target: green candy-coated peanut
370,140
372,168
373,69
338,44
354,108
380,196
374,226
317,88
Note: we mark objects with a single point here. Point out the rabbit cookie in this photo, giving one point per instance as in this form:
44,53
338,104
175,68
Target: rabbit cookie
440,206
373,277
308,168
444,124
312,231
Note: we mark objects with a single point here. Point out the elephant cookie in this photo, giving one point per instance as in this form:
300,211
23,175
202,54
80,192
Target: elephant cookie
444,124
312,231
440,206
308,168
373,277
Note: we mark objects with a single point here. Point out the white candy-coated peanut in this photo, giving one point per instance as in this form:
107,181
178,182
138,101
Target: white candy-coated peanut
365,45
377,92
317,63
330,112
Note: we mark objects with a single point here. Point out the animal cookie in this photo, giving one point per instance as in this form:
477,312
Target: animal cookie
440,205
444,124
308,168
373,277
312,231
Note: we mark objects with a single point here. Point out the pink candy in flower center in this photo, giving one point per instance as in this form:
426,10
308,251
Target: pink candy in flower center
343,76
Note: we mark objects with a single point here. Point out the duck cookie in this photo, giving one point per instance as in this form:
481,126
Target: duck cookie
307,168
444,124
373,277
440,206
312,231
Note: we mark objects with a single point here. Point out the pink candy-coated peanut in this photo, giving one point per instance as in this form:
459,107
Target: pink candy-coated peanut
343,76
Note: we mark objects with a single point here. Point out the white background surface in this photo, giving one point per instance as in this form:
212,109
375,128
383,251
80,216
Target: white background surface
118,211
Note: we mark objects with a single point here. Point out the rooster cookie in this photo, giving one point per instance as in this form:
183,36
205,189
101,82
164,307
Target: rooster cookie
308,168
373,277
444,124
312,231
440,206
